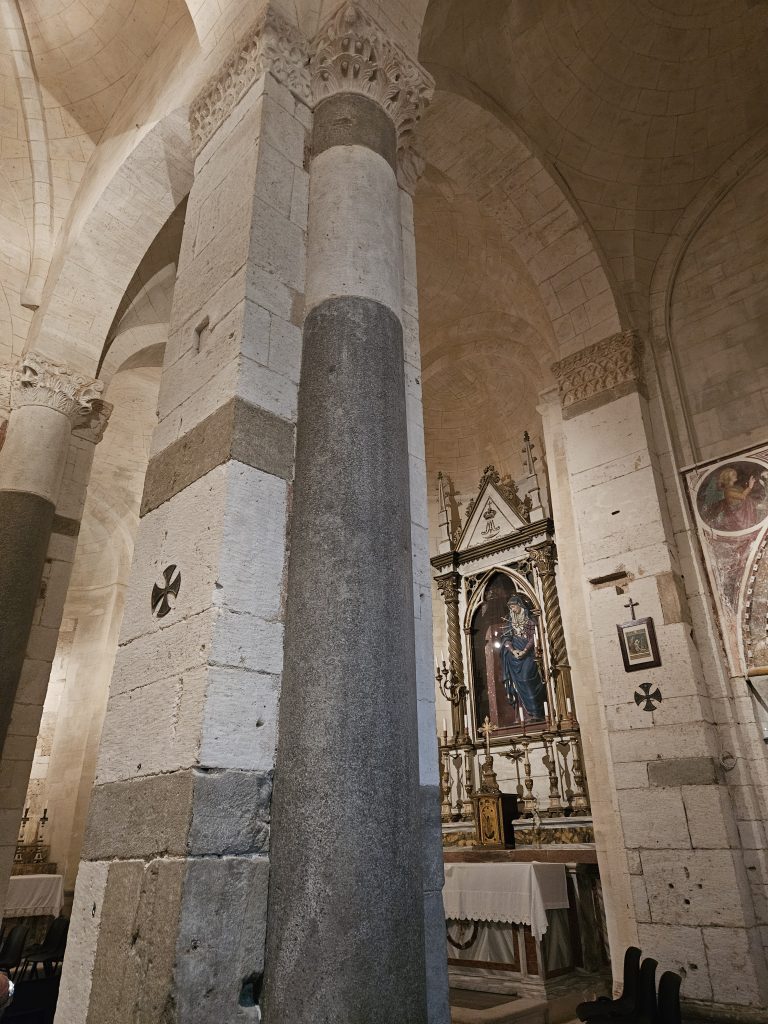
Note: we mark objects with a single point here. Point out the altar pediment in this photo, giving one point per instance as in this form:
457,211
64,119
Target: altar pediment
496,513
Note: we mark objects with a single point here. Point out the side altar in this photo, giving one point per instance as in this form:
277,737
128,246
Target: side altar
523,900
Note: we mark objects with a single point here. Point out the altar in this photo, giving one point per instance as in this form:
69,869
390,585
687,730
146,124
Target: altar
512,925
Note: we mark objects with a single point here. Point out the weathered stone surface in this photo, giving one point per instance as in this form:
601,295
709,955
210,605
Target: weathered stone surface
230,813
351,525
221,939
141,817
683,771
351,119
26,524
237,430
133,967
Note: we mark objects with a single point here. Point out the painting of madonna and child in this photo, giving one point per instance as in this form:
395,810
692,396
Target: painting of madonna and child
507,672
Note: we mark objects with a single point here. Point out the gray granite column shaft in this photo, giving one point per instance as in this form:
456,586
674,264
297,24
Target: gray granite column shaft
345,925
25,530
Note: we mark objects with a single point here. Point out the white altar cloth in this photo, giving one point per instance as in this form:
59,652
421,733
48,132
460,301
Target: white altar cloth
34,895
515,892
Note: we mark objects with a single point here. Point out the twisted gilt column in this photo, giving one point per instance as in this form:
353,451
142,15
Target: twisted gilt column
449,589
47,401
543,560
345,938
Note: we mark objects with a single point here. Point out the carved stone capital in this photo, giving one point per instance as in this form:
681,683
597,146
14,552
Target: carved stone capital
38,381
612,365
92,424
353,54
543,558
271,44
449,588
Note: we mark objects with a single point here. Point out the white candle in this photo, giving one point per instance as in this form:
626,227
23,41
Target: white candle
546,710
442,657
568,705
521,714
445,726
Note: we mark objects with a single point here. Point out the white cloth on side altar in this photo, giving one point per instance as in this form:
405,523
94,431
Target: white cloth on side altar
515,892
34,895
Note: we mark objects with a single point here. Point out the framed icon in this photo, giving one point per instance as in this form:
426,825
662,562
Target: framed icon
639,648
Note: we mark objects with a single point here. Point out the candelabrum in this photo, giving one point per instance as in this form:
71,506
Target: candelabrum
580,802
555,805
455,692
444,765
529,802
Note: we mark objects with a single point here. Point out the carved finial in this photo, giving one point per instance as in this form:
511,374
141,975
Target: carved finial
39,381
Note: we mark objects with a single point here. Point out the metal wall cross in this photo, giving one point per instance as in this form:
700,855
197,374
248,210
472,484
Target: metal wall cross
647,699
632,605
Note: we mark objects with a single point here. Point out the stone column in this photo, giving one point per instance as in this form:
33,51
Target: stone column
543,561
691,899
345,938
44,469
47,401
170,904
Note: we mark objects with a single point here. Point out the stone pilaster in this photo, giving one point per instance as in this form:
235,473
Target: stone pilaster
691,903
347,925
170,905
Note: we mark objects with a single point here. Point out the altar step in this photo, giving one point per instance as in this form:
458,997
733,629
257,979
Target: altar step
471,1007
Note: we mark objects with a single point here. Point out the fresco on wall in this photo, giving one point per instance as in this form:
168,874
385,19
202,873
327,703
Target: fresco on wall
730,502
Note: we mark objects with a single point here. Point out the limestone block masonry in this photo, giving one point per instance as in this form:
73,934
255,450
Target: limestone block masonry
693,912
169,924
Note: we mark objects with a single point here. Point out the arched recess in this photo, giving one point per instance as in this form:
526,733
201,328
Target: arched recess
733,172
479,151
88,282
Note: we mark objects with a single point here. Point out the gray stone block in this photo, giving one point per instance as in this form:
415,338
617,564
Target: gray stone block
143,817
237,430
683,771
350,119
230,813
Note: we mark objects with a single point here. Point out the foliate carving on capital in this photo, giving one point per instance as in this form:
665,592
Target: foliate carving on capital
449,588
543,559
271,44
353,54
601,367
39,381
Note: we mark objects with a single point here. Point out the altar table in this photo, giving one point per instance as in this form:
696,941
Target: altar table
34,896
511,893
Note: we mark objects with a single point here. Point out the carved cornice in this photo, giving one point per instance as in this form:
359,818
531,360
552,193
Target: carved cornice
271,44
38,381
612,363
353,54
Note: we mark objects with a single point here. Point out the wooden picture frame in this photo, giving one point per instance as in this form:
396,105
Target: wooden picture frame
639,649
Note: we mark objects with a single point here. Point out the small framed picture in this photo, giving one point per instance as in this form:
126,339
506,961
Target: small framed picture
637,640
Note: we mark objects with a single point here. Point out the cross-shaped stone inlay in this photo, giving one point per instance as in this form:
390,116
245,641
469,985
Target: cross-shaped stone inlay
161,604
647,699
